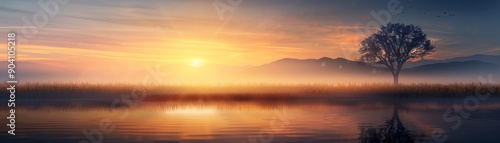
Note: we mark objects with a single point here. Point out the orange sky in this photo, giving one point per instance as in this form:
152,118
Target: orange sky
177,32
214,42
106,36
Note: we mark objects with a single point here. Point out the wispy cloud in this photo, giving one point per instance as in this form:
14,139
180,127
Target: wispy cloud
256,33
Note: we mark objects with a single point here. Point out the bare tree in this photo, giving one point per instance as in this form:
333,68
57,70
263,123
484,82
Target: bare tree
393,45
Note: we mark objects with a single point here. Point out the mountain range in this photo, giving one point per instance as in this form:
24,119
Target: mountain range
325,69
494,59
470,65
458,69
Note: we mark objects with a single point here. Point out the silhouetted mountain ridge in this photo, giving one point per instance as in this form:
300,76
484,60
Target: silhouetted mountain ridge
495,59
325,66
324,69
321,66
456,68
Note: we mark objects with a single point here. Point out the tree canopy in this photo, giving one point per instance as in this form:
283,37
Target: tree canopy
393,45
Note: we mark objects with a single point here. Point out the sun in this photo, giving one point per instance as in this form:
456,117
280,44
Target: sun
196,63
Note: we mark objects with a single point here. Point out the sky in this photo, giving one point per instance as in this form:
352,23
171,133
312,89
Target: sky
234,32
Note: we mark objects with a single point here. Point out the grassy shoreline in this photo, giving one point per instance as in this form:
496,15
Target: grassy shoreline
250,91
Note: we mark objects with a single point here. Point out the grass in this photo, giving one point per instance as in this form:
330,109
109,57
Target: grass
261,91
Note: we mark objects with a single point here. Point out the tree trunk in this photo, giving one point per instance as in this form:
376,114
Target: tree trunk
396,78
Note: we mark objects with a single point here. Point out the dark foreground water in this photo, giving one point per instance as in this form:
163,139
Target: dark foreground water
347,120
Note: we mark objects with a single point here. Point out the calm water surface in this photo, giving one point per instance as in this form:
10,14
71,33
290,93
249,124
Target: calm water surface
355,120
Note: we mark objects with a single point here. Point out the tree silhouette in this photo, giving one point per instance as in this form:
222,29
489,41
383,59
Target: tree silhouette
393,45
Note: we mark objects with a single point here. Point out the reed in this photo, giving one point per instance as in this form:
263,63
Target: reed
249,91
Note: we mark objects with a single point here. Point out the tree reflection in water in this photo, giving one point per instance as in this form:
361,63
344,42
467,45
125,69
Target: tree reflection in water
392,131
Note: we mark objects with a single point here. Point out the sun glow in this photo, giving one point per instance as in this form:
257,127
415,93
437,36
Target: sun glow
196,63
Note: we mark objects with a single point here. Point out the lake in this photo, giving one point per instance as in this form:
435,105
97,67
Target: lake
336,120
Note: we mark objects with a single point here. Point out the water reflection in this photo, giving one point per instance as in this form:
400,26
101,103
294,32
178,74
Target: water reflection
352,120
393,131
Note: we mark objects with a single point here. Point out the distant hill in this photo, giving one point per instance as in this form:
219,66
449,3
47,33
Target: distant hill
328,69
455,68
29,70
286,70
495,59
341,66
313,67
